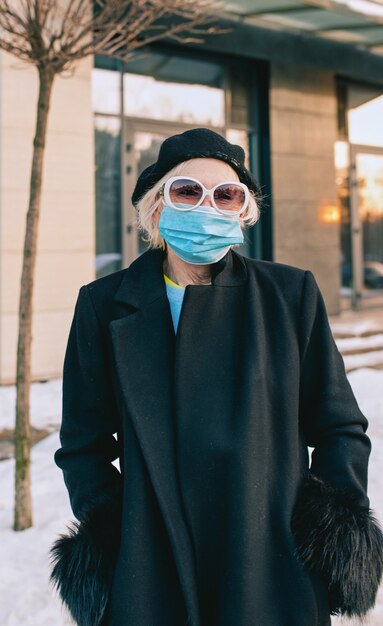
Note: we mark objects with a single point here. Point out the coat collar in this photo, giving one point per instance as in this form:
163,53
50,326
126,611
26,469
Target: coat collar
143,282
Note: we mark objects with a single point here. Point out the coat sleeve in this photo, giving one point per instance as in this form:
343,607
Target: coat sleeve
84,558
331,419
337,535
89,414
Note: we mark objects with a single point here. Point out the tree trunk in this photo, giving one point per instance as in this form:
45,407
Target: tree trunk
22,438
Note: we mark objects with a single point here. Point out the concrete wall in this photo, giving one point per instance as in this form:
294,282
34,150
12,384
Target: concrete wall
303,132
66,243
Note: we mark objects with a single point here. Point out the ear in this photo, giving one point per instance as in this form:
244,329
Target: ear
157,213
156,216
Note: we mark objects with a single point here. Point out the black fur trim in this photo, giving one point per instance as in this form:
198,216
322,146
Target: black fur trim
83,562
342,542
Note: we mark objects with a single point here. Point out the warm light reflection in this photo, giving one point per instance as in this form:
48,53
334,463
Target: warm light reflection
370,186
329,212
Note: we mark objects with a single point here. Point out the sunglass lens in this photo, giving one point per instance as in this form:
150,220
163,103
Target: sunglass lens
185,192
229,197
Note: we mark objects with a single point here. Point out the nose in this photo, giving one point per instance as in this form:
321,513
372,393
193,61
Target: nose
207,201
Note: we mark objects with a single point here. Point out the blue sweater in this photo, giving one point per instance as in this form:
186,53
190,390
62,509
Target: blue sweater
175,295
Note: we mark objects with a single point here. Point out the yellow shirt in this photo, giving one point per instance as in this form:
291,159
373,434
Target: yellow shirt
169,281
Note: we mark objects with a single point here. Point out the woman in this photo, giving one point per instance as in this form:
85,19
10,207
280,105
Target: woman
215,372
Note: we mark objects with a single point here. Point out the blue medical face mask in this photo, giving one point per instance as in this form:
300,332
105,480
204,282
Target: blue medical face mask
199,236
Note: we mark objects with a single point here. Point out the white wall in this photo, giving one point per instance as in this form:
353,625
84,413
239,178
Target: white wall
66,242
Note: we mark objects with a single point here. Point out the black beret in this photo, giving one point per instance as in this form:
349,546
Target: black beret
193,144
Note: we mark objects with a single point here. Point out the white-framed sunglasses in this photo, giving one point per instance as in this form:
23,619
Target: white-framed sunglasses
185,194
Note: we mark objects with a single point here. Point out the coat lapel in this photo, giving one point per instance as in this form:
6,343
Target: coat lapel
143,345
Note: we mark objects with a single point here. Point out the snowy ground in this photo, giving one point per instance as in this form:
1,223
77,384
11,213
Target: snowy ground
45,405
25,596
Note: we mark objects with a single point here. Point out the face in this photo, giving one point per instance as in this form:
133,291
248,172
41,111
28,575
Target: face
209,172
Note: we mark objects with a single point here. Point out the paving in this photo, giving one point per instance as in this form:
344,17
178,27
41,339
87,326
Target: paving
359,335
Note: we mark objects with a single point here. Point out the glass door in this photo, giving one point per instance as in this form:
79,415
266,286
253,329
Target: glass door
148,99
108,194
142,142
367,221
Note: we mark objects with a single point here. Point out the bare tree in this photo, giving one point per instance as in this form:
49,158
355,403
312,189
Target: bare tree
53,35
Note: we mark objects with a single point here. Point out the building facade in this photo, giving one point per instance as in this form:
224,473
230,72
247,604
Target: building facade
304,99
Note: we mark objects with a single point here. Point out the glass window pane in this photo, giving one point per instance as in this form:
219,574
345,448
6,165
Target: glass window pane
106,91
239,111
342,165
146,149
108,195
241,138
369,172
365,117
146,97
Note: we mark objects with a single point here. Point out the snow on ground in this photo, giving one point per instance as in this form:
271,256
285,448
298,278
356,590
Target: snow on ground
367,385
45,405
368,359
360,327
26,598
353,344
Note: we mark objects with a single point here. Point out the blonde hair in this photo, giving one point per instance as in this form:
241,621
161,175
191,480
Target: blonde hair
151,202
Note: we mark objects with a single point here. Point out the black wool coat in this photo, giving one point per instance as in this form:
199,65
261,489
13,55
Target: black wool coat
217,517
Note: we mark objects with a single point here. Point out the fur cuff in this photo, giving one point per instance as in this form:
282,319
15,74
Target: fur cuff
342,542
83,562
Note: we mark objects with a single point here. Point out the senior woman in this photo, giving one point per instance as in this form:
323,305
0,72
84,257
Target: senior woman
208,375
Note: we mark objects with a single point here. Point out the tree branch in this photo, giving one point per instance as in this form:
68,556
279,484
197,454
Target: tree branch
57,33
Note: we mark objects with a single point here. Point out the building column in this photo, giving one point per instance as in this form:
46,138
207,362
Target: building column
303,127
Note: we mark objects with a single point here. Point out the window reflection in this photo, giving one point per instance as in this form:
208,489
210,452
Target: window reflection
365,117
106,91
239,137
369,169
158,95
108,195
146,149
360,114
148,98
